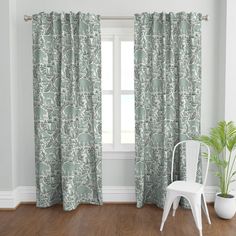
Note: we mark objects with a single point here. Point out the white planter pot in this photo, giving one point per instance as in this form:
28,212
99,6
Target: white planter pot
225,207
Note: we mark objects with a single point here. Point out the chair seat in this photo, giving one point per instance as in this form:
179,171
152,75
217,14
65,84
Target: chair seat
186,186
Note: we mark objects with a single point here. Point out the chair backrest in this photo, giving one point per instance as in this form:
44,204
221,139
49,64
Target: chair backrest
192,148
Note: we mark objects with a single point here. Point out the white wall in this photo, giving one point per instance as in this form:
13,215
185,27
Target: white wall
8,88
5,100
230,75
118,171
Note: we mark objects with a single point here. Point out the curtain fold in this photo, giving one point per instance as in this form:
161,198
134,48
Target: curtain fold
67,108
167,97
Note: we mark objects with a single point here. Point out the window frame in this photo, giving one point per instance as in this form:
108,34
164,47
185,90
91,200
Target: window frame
117,35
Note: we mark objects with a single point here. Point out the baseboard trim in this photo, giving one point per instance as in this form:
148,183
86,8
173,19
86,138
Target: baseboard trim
119,194
210,193
22,194
9,200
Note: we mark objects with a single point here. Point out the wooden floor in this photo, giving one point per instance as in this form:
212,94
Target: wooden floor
107,220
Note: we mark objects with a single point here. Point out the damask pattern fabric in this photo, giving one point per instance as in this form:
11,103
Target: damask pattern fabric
67,108
167,97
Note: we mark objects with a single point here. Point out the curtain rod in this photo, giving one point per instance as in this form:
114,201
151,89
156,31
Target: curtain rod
29,18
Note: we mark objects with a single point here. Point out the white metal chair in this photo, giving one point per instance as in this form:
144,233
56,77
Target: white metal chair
189,189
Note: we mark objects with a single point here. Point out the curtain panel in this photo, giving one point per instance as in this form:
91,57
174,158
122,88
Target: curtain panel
67,108
167,97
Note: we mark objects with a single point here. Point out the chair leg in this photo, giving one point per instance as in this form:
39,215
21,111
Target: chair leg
205,209
196,210
175,205
170,197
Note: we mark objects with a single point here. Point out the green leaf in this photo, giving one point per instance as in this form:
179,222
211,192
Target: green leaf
217,136
231,142
234,173
230,135
231,129
216,160
218,174
205,155
205,139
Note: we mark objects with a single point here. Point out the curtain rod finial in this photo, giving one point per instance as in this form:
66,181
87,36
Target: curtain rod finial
206,17
27,18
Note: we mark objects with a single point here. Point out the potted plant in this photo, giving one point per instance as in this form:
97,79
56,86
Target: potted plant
222,140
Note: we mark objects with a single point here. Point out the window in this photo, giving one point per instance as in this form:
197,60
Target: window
107,88
118,89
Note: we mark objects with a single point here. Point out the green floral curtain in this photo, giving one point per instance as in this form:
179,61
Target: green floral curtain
67,108
167,97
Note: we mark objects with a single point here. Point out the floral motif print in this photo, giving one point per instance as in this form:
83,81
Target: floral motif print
167,97
67,108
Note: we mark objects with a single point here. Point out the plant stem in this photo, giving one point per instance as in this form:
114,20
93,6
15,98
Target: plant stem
227,177
222,172
230,173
